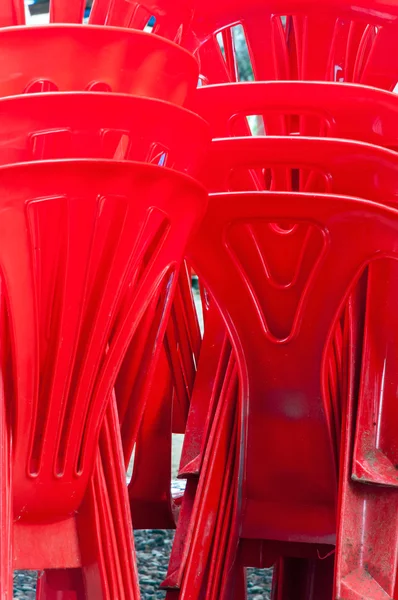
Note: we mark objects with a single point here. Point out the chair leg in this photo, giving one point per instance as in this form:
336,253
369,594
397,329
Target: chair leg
303,579
60,584
150,487
367,531
172,595
367,544
6,571
105,532
211,382
211,502
227,578
104,523
200,512
180,545
240,584
234,586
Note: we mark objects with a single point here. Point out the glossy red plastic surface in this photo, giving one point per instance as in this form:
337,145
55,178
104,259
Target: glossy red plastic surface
286,39
167,395
343,167
100,125
45,58
374,120
326,109
46,126
86,247
327,41
62,11
12,12
336,165
311,40
172,18
331,105
282,378
367,542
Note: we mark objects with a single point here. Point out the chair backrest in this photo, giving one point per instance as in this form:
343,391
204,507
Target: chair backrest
168,18
12,12
86,246
349,111
341,166
288,470
48,58
286,39
62,11
100,125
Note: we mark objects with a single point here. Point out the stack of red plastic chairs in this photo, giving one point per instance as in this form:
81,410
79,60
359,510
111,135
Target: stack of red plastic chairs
93,230
288,400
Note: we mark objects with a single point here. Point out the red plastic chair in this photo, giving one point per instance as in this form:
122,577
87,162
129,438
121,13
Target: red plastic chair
223,105
282,409
44,58
101,125
86,247
331,114
344,167
226,107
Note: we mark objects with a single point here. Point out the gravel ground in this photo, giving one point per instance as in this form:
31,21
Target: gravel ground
153,548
